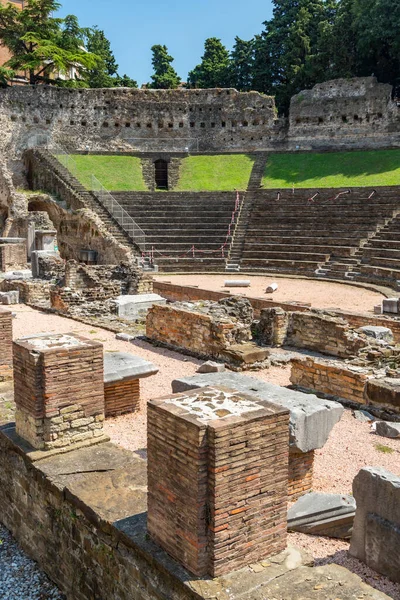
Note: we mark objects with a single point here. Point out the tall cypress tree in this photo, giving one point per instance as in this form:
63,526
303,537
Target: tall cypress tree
165,77
241,65
213,71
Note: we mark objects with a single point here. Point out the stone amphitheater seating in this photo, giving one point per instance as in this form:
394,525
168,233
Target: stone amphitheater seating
290,234
174,222
380,257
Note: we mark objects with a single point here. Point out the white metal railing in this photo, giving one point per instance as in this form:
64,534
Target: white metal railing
119,214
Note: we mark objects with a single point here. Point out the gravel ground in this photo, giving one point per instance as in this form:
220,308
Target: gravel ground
320,294
20,577
350,446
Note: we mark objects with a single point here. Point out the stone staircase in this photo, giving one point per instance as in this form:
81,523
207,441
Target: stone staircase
185,231
380,256
257,171
289,233
89,200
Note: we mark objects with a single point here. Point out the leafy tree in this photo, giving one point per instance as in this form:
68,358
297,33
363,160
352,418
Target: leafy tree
165,77
125,81
213,71
101,76
38,44
241,65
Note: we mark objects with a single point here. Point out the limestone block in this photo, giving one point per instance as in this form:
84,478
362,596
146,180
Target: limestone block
237,283
311,419
376,532
11,297
35,260
125,337
378,333
390,305
388,429
211,367
271,288
323,514
122,366
132,307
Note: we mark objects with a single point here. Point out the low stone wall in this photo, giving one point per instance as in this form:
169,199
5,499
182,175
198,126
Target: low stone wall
331,378
30,292
12,257
317,331
188,330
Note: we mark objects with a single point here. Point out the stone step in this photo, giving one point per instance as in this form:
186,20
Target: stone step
319,249
296,256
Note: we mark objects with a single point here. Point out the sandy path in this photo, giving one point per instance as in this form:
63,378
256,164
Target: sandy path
320,294
350,446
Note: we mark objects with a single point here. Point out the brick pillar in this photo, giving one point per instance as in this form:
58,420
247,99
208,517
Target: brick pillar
301,466
59,390
217,479
121,397
6,358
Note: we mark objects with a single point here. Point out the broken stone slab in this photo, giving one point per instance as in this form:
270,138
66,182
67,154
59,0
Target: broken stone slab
35,255
387,429
122,366
390,305
237,283
376,531
11,297
211,367
363,416
331,515
311,419
132,307
271,288
125,337
378,333
17,275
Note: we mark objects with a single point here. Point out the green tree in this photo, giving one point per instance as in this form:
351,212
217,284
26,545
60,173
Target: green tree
125,81
241,65
286,50
101,76
165,77
213,71
38,43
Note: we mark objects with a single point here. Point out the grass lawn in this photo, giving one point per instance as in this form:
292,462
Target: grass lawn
116,173
225,172
333,169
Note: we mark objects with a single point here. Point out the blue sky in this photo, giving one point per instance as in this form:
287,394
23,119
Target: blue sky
133,26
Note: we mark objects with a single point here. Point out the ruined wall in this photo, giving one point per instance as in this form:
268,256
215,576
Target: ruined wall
13,256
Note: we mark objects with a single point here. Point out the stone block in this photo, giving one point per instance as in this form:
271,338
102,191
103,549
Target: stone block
330,515
387,429
311,419
271,288
35,255
11,297
136,306
376,532
125,337
390,305
122,366
237,283
378,333
211,367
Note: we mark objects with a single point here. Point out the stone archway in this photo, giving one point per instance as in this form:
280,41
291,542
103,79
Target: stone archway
161,174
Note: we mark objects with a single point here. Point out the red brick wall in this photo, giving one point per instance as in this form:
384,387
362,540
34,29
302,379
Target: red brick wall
301,467
121,397
6,358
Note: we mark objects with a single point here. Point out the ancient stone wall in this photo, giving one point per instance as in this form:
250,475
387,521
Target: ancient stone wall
5,344
30,292
345,113
13,257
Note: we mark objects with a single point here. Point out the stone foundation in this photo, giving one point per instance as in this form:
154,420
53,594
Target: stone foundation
30,292
121,397
13,257
301,465
6,355
58,390
217,479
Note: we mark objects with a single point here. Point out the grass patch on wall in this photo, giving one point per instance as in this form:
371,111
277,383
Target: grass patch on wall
223,172
116,173
333,169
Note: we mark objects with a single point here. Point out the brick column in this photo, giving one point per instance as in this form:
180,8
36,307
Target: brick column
217,479
59,390
6,358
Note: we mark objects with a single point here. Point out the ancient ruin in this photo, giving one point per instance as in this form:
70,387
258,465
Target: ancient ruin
143,471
